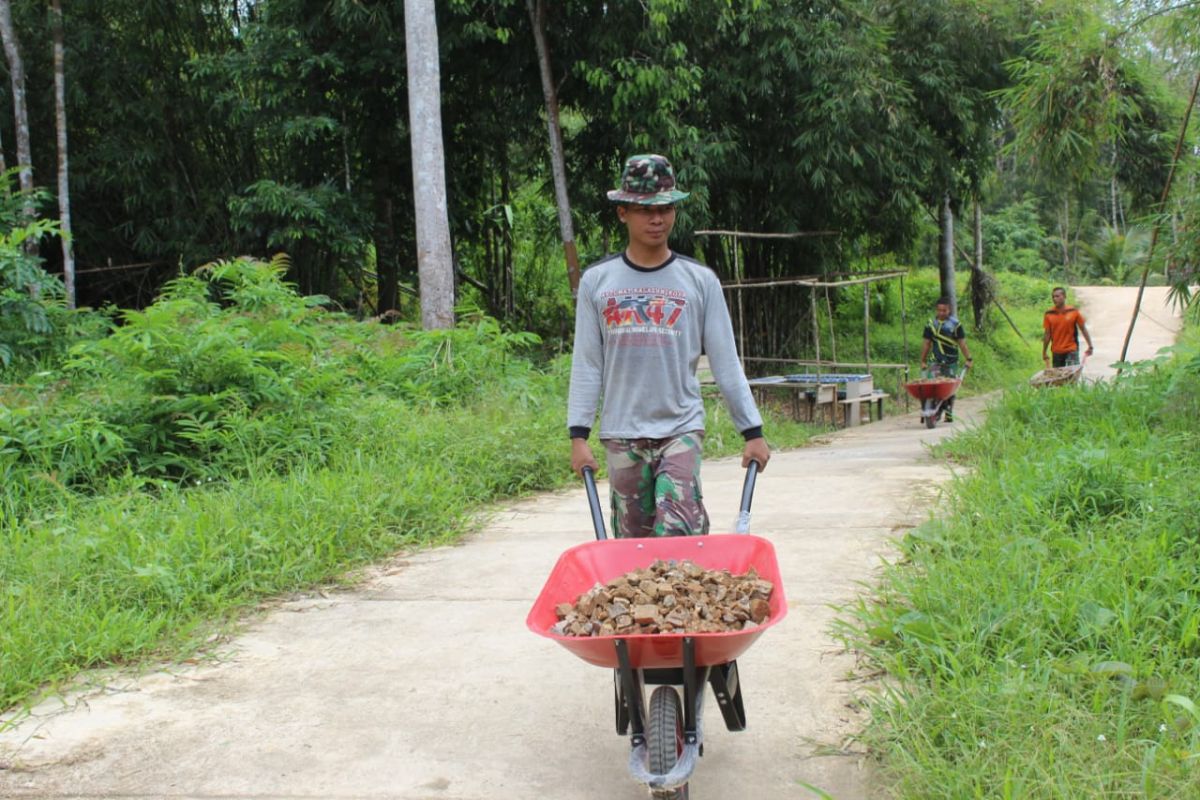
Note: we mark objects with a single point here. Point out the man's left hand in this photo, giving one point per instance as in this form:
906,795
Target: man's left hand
1089,351
756,450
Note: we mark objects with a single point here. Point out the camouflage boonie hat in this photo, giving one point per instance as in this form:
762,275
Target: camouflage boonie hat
648,180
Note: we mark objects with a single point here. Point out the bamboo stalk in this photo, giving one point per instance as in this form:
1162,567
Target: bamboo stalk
1137,306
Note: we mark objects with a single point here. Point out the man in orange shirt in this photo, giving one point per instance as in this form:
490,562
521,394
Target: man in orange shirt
1060,324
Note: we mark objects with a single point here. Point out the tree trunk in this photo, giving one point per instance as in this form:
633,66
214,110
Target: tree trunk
60,125
1064,230
979,288
510,278
949,290
435,265
1113,192
16,71
537,17
387,259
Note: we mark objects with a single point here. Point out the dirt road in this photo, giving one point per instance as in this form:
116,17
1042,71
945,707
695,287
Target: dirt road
424,684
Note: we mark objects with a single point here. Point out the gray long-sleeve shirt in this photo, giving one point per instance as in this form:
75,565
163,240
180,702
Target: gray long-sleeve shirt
639,334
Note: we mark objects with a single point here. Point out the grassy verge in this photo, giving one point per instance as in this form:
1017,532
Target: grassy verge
1042,636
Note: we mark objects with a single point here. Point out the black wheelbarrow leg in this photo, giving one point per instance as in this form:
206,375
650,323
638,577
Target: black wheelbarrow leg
727,686
630,700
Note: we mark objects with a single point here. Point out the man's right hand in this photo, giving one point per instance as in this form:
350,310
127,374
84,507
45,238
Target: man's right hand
581,456
1046,360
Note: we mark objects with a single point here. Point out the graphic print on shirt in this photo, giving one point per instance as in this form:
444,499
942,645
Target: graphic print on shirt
643,317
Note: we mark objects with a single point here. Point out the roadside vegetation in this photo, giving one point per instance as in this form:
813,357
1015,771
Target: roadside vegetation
235,441
1041,636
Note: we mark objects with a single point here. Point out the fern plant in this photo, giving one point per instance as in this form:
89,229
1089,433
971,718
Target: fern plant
28,294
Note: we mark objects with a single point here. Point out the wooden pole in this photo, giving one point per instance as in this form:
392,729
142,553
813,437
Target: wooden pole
903,338
737,271
812,298
882,276
832,332
867,324
1011,324
1137,306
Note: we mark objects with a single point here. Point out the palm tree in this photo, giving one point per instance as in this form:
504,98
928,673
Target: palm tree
1115,257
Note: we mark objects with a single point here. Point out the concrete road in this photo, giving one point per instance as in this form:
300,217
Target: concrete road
1108,310
423,683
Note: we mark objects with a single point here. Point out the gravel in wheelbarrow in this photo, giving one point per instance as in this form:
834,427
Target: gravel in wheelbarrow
933,388
668,597
582,567
1056,376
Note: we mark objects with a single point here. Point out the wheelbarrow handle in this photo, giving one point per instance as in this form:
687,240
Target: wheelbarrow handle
743,520
589,483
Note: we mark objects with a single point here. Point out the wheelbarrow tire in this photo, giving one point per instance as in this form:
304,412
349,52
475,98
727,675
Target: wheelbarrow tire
930,414
664,738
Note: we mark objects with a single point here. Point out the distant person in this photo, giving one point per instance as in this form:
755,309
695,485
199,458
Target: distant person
1062,325
643,317
944,337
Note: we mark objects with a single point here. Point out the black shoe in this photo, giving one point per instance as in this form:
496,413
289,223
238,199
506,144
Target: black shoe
949,417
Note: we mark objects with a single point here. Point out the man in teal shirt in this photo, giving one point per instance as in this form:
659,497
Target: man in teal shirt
944,337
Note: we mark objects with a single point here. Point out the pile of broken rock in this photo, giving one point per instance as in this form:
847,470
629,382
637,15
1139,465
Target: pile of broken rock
668,597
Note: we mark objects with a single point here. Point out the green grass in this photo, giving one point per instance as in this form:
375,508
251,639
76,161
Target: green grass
1041,636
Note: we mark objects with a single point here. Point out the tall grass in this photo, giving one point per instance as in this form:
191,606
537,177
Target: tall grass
1042,634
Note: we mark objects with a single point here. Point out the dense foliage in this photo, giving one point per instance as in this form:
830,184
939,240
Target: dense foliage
204,129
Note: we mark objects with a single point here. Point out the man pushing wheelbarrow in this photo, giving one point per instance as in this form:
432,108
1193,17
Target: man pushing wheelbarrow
944,337
643,318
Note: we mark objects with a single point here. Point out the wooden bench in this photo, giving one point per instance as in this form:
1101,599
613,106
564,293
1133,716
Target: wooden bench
860,395
817,397
853,404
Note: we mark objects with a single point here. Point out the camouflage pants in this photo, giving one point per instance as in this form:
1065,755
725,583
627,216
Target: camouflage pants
656,486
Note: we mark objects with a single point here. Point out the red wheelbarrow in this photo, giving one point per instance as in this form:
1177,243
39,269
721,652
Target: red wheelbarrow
934,394
667,739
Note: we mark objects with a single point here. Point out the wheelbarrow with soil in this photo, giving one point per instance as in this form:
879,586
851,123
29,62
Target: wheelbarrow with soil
666,736
934,394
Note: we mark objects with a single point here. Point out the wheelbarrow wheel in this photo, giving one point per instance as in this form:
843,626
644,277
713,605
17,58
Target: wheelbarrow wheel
931,413
664,738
